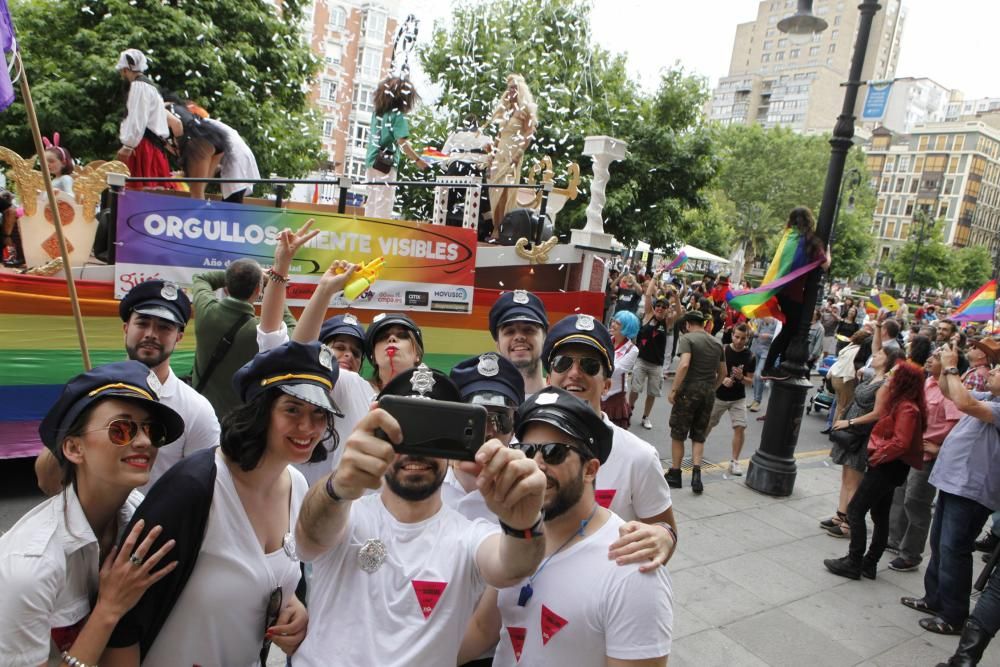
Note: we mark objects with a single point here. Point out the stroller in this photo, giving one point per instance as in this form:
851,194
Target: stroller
824,396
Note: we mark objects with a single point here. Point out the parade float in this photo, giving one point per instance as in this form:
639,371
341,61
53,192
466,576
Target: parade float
446,280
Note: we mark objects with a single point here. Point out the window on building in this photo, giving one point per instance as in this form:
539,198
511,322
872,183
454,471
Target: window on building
890,164
370,64
914,183
329,126
328,91
768,44
885,184
904,163
904,230
959,142
814,50
899,184
978,166
338,17
832,48
918,165
374,26
782,43
334,53
940,142
880,207
972,190
356,169
836,20
908,209
935,162
780,55
890,230
923,142
359,136
943,210
364,98
794,53
765,57
893,207
834,34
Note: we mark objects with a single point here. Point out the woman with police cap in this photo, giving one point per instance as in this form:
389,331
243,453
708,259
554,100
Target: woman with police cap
65,584
232,511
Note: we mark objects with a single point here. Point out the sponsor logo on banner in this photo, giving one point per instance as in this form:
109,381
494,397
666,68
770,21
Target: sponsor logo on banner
456,294
388,298
451,306
416,298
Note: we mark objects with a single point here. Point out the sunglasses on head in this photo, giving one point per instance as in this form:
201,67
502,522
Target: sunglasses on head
122,432
561,363
553,453
270,618
502,422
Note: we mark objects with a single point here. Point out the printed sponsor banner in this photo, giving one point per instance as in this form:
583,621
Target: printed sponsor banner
876,100
172,238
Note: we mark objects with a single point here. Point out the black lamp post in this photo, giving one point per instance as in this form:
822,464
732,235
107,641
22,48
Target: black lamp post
851,180
772,468
922,216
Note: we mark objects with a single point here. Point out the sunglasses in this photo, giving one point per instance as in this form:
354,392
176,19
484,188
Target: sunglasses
553,453
502,422
270,618
561,363
122,432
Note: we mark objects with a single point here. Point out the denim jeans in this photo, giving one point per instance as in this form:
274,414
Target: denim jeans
758,387
948,580
910,518
874,495
987,610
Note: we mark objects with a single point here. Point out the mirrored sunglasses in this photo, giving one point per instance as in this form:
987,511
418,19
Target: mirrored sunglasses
122,432
561,363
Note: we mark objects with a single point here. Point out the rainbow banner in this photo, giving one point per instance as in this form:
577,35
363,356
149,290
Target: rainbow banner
39,350
433,156
979,307
427,267
881,301
790,262
678,261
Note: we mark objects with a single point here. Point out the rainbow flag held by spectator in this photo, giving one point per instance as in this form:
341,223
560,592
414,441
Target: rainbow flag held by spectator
790,262
433,156
880,301
979,307
678,261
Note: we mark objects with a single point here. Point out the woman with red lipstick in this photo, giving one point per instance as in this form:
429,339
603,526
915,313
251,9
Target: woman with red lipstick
65,584
232,511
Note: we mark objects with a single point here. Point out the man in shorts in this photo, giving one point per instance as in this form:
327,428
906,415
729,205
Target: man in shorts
659,316
731,395
700,371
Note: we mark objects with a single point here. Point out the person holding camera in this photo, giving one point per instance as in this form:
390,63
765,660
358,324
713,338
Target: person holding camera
624,612
965,475
660,311
399,564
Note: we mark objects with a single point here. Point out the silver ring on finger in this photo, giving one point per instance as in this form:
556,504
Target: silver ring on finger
135,560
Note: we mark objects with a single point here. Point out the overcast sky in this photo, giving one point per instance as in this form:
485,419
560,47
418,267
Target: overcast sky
946,40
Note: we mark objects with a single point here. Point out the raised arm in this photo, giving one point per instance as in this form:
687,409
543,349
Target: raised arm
953,389
272,308
337,275
323,518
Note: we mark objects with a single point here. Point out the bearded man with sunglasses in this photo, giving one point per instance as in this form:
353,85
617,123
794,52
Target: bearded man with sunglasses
624,613
578,354
155,314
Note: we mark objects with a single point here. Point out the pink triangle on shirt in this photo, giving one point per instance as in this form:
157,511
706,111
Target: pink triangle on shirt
604,497
428,594
551,624
516,640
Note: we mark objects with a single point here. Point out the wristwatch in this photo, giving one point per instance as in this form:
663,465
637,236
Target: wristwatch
951,371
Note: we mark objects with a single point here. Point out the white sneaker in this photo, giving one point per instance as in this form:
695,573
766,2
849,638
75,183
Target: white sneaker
734,468
647,424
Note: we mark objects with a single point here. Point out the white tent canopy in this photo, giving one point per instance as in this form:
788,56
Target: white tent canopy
691,252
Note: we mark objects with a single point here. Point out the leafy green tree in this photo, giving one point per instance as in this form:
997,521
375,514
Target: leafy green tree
924,256
242,60
580,90
972,267
711,228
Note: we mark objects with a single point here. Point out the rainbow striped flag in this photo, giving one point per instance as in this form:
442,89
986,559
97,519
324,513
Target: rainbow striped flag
791,262
879,301
433,156
678,261
980,306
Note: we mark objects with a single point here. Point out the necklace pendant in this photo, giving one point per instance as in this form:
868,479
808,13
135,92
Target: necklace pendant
524,595
371,555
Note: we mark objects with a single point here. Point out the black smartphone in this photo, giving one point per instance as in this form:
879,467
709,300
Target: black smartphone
439,429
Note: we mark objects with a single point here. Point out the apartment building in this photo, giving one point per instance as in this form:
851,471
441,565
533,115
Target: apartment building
775,79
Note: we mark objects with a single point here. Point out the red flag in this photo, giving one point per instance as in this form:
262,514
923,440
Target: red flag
316,194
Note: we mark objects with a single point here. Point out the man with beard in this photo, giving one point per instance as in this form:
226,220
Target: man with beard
155,313
621,615
578,354
518,323
396,575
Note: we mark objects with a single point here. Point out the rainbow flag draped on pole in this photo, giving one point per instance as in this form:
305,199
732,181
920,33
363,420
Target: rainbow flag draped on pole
791,262
979,307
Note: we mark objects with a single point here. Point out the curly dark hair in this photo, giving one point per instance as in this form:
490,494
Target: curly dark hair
919,349
244,432
907,384
395,93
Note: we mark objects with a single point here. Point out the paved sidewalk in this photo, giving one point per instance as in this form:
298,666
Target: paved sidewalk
750,587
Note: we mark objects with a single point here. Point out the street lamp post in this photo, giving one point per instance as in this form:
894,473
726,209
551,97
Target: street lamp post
772,468
851,180
916,251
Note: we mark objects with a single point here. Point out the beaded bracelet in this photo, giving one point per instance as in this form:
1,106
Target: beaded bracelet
276,277
73,662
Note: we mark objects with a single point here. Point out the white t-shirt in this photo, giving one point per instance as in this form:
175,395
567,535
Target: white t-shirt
49,563
620,613
625,356
631,482
201,426
220,616
352,393
410,611
469,504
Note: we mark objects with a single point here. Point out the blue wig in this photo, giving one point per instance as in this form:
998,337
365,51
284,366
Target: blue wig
629,323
